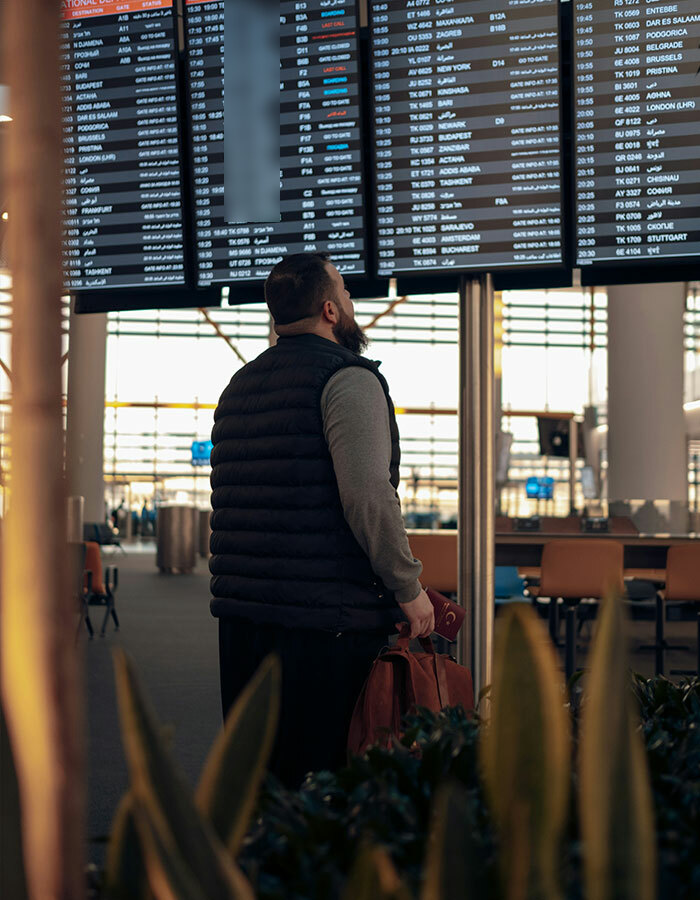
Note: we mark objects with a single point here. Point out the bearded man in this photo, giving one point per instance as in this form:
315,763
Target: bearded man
310,558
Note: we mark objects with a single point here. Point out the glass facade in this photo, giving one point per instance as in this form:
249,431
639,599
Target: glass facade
6,376
165,370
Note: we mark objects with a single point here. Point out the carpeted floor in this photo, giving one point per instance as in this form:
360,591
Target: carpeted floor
167,629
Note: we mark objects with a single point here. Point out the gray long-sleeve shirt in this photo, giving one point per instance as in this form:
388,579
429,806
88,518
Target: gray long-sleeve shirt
356,427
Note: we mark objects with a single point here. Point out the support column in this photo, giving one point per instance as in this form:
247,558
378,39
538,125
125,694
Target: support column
87,350
647,455
476,541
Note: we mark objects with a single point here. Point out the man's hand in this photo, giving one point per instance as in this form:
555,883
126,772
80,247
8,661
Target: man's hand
421,615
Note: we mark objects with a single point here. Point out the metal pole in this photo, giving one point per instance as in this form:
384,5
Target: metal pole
573,454
476,476
497,308
74,519
487,473
467,522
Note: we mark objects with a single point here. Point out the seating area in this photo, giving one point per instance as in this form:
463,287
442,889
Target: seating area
573,576
101,533
682,589
94,585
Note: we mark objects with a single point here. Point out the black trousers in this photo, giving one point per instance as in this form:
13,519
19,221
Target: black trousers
322,676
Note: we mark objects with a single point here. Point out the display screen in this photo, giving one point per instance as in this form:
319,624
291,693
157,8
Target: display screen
637,115
321,194
123,224
539,488
467,134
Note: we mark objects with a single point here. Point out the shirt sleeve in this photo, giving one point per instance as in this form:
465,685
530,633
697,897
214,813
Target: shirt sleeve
356,426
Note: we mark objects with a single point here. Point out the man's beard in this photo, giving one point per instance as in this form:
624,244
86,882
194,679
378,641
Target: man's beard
349,334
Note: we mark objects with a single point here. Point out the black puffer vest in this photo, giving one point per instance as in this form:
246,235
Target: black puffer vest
282,552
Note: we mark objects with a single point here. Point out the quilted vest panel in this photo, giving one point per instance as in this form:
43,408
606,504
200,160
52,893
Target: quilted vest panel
282,552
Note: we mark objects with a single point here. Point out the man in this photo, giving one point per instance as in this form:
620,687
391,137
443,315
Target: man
310,557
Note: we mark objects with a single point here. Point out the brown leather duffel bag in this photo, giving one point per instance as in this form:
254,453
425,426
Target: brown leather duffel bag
398,682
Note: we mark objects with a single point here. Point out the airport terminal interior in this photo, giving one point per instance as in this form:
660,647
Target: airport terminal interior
552,364
510,192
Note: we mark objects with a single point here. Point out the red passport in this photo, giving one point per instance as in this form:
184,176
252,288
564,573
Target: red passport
449,616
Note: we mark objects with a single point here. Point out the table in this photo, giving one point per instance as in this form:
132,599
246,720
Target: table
644,555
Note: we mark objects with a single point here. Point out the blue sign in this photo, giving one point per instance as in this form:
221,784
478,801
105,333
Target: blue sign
539,487
201,453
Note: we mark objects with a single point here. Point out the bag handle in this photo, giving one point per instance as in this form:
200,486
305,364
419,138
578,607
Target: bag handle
438,662
405,639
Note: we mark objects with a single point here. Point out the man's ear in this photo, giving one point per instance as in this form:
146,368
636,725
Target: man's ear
329,312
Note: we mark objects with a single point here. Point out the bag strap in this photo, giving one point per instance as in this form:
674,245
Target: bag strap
441,678
405,639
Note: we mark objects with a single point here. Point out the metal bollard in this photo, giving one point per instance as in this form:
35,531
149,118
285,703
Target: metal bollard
74,519
176,542
204,532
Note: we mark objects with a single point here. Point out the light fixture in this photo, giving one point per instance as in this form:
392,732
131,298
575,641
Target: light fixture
5,216
5,103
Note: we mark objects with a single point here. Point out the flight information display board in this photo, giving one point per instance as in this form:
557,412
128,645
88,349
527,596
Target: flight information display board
637,109
467,134
123,223
321,196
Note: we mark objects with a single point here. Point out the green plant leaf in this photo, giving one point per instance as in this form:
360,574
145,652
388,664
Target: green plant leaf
526,756
125,875
168,875
574,680
159,786
453,870
237,761
12,877
617,820
374,877
484,692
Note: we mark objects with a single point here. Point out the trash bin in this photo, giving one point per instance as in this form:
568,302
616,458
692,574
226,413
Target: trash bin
176,544
204,532
124,524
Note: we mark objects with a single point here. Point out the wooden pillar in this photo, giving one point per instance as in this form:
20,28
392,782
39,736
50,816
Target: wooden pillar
40,675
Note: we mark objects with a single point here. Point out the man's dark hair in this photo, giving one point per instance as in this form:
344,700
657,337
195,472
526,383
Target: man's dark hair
297,287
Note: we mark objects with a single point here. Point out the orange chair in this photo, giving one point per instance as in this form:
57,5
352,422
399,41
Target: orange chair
438,553
98,590
682,587
572,570
76,561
